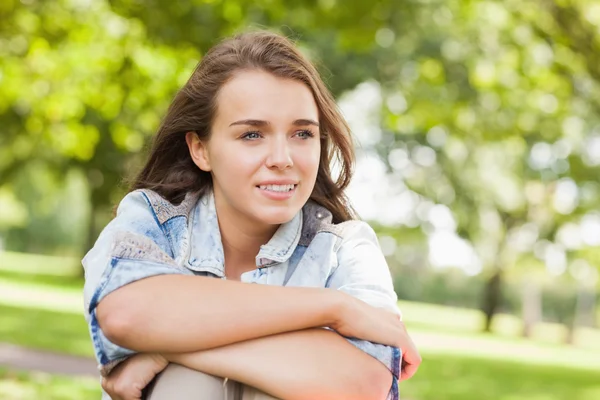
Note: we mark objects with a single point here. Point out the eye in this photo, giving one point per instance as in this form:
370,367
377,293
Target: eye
252,135
305,134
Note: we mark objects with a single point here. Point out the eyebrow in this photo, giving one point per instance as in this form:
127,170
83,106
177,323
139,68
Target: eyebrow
258,122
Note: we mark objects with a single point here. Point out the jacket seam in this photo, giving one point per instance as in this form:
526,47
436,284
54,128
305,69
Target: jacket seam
161,226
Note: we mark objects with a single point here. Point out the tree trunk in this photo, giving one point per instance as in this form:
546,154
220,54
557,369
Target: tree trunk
593,314
531,306
585,307
92,234
491,299
583,315
570,336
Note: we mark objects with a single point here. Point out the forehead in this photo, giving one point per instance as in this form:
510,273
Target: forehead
261,95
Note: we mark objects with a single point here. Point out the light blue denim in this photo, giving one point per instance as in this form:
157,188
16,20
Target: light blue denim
150,236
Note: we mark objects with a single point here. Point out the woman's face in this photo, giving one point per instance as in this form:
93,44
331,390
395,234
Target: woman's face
264,147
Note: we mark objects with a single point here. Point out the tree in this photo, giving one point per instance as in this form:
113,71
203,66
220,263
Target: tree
489,108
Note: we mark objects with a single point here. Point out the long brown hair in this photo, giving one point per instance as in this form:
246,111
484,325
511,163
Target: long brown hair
170,171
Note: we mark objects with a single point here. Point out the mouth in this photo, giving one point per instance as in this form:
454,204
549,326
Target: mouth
278,188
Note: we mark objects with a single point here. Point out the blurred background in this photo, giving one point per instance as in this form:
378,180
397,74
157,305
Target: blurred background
477,126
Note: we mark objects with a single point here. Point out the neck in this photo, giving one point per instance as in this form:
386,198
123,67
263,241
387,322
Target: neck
241,239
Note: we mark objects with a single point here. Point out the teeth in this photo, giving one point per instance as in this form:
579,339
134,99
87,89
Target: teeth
277,188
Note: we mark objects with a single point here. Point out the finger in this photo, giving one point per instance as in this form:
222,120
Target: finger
107,385
409,350
408,370
104,383
412,356
114,396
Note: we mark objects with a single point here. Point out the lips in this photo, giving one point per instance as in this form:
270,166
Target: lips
277,188
278,192
279,182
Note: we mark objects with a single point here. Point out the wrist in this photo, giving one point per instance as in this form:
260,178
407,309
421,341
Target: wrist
159,359
171,357
337,304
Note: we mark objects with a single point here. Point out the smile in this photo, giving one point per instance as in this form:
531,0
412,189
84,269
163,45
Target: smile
277,188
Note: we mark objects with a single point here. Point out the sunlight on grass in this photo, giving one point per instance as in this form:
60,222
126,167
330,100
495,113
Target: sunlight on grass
493,347
452,377
33,307
41,296
441,377
460,362
44,329
38,385
26,263
56,281
432,317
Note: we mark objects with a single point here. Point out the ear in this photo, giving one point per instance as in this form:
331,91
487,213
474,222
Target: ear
198,151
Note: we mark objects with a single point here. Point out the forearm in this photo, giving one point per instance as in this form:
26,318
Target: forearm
309,364
174,313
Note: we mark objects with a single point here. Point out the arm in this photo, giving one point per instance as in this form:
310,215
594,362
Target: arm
139,298
132,247
285,366
363,273
136,294
192,313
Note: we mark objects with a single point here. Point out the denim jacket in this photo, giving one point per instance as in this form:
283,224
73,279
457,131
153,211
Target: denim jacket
150,236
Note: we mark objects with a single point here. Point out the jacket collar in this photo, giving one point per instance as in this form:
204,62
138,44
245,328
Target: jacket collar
206,248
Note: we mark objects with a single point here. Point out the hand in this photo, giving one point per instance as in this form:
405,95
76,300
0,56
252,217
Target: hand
411,359
360,320
129,378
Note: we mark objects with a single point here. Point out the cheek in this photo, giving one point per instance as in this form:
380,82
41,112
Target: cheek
235,164
308,162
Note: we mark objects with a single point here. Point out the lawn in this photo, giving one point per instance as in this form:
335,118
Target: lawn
44,329
455,377
440,378
41,386
460,362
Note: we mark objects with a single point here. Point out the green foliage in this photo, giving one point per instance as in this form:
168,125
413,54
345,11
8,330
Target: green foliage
489,108
459,363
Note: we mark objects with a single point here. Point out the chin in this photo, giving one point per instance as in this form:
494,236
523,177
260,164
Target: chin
276,215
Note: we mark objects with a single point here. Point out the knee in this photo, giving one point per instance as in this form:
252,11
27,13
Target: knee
251,393
186,384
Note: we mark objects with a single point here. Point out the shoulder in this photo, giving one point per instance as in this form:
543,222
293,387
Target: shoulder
140,226
317,219
140,231
161,209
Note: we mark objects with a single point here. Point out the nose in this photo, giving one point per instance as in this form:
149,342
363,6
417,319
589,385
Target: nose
280,156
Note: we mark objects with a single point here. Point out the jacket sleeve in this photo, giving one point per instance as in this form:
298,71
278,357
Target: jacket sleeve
131,247
363,272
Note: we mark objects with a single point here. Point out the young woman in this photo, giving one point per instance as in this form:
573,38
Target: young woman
238,186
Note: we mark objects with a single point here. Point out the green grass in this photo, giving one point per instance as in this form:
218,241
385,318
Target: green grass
440,377
460,362
71,282
27,308
443,377
30,268
452,320
41,386
37,264
41,295
44,329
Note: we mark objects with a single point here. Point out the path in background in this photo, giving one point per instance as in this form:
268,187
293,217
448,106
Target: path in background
15,357
20,358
